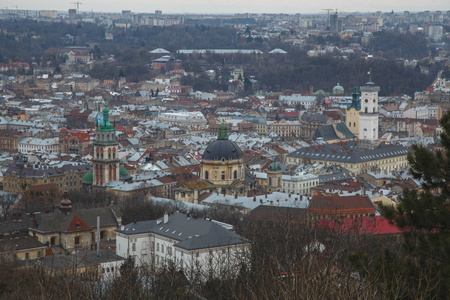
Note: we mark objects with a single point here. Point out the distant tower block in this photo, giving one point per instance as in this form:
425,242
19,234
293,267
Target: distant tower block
72,13
158,12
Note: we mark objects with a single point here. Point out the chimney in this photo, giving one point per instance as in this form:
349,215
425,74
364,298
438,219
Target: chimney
166,218
98,236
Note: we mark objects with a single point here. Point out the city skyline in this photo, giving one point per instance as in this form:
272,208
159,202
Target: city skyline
233,6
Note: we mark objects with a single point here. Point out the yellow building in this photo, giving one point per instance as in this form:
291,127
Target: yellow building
22,175
352,113
20,246
384,158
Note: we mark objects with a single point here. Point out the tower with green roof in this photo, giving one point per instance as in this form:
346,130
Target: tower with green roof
106,165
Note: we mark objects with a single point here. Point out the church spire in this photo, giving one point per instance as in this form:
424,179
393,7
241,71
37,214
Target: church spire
223,135
356,103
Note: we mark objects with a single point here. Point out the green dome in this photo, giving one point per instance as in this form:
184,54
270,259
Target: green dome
275,166
123,172
88,178
338,87
320,93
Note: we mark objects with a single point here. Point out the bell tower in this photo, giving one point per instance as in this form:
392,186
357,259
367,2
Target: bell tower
105,161
368,116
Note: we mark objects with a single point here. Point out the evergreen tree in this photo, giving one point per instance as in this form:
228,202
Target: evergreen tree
425,215
423,262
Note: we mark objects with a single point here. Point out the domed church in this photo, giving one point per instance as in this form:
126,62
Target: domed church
222,171
222,162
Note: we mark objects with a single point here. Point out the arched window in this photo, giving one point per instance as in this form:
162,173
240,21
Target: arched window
349,124
109,155
354,124
270,181
107,137
206,174
223,175
366,110
235,174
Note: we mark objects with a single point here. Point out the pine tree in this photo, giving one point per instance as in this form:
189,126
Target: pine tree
424,217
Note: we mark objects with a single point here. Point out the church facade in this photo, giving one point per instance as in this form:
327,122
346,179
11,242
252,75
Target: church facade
222,171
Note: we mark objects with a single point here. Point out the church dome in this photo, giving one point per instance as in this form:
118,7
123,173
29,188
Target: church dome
275,166
222,148
88,178
64,129
338,87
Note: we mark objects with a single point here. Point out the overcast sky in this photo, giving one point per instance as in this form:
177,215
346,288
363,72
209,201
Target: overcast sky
232,6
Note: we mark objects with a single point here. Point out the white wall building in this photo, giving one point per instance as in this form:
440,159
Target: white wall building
191,244
29,144
421,112
295,99
184,118
368,117
300,184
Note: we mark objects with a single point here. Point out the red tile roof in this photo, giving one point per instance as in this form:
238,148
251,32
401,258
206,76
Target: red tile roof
341,204
77,225
361,225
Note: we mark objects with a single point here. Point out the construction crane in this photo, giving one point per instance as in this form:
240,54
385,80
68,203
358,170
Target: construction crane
328,10
78,3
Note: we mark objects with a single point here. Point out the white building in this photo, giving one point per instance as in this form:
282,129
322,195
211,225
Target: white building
421,112
295,99
368,117
184,118
191,244
29,144
300,184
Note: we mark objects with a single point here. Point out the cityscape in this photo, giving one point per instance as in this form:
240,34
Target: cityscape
208,155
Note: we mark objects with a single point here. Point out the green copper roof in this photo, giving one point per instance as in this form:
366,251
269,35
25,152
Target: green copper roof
106,125
123,172
275,166
223,135
338,87
88,178
356,102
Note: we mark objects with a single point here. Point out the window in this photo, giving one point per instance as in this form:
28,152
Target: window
206,175
133,247
27,256
223,175
157,246
77,240
162,248
235,174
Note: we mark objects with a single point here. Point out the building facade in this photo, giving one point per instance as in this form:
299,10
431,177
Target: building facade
195,246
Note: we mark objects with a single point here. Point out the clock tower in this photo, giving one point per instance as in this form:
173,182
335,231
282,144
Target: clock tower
105,162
